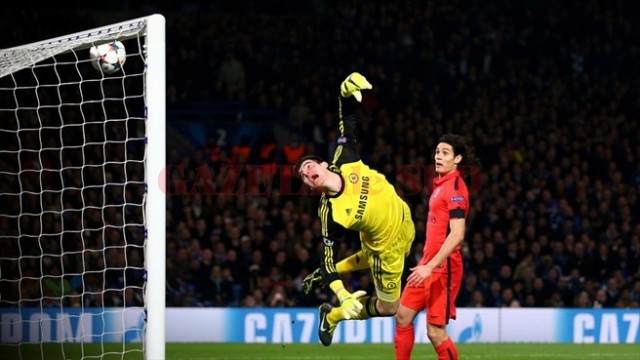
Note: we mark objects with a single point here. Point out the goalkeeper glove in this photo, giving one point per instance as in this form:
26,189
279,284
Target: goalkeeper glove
350,304
353,84
313,281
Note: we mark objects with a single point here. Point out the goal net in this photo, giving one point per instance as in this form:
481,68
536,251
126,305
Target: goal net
82,229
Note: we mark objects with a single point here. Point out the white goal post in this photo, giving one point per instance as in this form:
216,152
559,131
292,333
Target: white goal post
82,225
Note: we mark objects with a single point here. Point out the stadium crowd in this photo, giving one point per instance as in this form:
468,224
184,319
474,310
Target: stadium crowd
552,106
548,91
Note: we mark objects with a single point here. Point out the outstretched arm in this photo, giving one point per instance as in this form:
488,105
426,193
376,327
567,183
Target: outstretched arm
350,95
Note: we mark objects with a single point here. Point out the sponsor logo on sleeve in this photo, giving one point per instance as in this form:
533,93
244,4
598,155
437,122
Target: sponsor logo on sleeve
327,242
457,198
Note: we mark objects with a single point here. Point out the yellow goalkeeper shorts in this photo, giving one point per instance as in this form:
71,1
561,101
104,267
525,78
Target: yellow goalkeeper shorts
387,265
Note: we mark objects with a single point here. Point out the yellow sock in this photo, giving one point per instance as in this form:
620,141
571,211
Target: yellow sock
335,316
368,311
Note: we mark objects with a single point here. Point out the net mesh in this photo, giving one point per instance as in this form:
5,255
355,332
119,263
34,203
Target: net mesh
72,228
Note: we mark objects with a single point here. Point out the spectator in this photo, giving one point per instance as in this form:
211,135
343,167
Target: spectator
231,76
600,299
582,300
626,300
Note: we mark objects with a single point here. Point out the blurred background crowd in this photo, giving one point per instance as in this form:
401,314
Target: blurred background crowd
548,91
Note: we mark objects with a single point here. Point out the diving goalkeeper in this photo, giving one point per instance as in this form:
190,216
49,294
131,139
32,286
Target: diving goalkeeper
356,197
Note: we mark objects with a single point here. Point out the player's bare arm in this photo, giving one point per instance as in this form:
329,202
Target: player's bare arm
456,236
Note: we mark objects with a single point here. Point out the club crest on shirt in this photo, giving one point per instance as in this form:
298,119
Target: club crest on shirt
432,218
436,193
353,178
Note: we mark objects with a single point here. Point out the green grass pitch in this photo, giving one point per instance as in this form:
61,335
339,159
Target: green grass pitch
188,351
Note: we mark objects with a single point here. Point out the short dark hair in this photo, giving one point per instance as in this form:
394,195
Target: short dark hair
298,164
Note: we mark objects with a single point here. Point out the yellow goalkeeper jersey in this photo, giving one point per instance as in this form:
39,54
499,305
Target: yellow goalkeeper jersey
367,203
